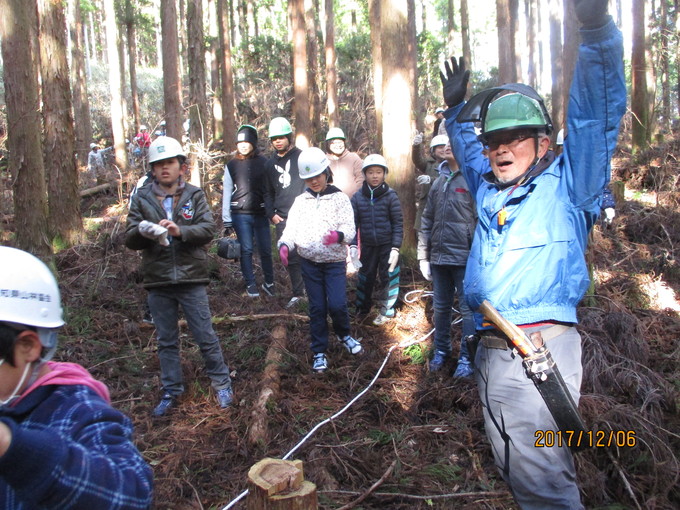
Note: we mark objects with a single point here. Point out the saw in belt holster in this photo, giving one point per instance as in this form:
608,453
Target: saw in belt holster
541,368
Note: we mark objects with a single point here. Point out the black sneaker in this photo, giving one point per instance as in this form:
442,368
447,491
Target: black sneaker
167,403
148,319
294,302
268,288
252,290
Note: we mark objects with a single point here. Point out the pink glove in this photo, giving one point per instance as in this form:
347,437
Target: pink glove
332,237
283,253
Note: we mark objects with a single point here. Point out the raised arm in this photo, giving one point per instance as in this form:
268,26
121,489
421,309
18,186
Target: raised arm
596,105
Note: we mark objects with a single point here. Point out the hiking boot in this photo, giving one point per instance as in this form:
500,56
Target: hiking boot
351,344
464,369
268,288
381,319
294,301
225,397
320,363
252,290
167,403
438,360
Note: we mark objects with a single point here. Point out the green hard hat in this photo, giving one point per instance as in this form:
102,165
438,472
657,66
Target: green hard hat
514,111
279,127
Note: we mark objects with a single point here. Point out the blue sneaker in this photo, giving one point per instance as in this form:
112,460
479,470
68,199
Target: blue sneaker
438,360
225,397
320,363
167,403
464,369
352,345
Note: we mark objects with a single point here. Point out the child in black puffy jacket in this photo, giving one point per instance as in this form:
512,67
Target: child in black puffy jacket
379,222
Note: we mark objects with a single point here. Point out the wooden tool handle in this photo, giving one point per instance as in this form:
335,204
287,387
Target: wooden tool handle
512,331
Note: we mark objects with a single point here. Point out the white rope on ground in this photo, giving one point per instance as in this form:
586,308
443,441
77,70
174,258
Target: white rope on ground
428,293
401,345
339,413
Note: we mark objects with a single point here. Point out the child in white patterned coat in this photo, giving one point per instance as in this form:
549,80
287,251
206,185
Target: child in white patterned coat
320,225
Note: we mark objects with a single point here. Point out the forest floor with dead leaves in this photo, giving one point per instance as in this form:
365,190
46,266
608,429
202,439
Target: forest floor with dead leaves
413,440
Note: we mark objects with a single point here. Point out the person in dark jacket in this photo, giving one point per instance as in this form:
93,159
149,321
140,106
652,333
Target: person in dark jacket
283,186
439,117
379,222
527,259
243,209
62,444
170,221
444,242
427,169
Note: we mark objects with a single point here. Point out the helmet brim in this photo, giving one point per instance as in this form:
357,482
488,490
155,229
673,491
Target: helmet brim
474,109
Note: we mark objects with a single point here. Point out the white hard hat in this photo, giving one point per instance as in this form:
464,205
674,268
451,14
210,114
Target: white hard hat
439,140
93,145
165,147
312,162
439,110
29,293
334,133
374,160
143,128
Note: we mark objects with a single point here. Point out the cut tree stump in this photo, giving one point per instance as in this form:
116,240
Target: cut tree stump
275,484
618,189
269,387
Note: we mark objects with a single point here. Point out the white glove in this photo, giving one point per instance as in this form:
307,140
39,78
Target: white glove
609,214
423,179
425,269
154,231
418,138
394,258
354,256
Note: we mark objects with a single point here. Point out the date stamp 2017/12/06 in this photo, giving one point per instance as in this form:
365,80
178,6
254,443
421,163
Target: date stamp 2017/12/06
585,438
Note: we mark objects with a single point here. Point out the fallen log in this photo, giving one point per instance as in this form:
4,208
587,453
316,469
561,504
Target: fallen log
275,484
95,190
243,318
269,387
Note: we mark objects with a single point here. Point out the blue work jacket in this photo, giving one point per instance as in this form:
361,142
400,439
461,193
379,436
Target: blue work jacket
532,267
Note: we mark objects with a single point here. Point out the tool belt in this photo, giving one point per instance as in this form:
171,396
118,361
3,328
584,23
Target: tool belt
494,339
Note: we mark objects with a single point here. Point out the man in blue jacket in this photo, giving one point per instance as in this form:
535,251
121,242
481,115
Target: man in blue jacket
527,257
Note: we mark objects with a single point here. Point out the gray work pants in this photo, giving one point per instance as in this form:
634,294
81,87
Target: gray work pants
540,478
164,304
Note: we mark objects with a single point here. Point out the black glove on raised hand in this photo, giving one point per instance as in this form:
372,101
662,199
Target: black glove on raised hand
454,83
592,13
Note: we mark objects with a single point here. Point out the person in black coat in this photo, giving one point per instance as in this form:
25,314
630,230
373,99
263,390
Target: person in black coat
379,222
243,209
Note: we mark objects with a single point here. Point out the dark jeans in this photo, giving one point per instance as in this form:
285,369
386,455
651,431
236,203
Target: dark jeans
326,285
247,227
447,280
294,271
164,303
